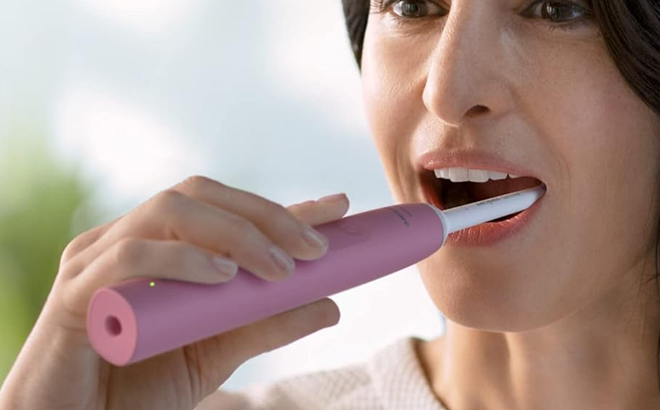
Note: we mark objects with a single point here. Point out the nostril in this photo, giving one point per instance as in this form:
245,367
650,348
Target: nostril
477,110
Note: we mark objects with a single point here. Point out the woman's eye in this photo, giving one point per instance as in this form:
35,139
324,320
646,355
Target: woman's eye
557,11
416,8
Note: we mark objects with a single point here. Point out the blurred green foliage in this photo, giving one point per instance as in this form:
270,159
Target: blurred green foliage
43,201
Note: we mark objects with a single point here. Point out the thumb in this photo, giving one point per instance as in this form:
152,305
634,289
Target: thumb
284,328
223,353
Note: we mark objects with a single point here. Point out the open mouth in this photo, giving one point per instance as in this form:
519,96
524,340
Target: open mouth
446,194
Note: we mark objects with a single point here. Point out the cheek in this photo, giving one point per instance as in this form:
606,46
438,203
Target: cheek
391,101
605,141
392,85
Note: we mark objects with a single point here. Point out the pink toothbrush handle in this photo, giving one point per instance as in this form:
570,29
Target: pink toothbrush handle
141,318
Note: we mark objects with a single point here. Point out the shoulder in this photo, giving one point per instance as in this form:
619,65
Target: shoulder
391,379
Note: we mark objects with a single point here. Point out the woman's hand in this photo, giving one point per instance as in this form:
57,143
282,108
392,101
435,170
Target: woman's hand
190,232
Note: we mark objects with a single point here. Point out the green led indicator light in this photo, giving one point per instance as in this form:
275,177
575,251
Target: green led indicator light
152,284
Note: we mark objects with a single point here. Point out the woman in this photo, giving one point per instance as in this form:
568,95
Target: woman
560,313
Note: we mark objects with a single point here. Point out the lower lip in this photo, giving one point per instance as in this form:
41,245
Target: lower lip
491,233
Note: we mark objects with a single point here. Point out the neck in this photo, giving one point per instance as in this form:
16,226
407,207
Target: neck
603,356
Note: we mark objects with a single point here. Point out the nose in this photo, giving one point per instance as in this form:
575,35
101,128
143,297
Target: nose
469,75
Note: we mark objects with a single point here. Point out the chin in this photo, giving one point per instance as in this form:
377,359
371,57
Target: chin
494,300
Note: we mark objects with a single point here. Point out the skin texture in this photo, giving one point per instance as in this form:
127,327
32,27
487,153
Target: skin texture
562,315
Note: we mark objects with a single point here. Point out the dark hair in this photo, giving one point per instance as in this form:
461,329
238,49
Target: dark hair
356,13
630,28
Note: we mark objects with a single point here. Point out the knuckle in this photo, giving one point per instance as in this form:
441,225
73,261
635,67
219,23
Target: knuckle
69,270
128,251
79,243
198,183
74,246
282,220
276,211
198,370
170,200
249,233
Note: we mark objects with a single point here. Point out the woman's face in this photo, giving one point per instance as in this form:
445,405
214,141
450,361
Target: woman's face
525,87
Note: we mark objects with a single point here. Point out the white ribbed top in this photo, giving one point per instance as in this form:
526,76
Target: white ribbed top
392,379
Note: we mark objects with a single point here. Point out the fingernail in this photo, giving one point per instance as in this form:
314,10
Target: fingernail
314,238
282,260
226,267
331,198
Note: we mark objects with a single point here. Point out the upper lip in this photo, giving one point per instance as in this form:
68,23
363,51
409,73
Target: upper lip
471,159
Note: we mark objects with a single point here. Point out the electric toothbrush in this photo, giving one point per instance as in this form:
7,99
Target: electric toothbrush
141,318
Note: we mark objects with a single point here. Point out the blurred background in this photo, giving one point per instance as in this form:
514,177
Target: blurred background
103,103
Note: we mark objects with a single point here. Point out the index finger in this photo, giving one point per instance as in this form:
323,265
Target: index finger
295,236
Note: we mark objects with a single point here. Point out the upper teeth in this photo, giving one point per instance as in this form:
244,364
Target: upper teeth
472,175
